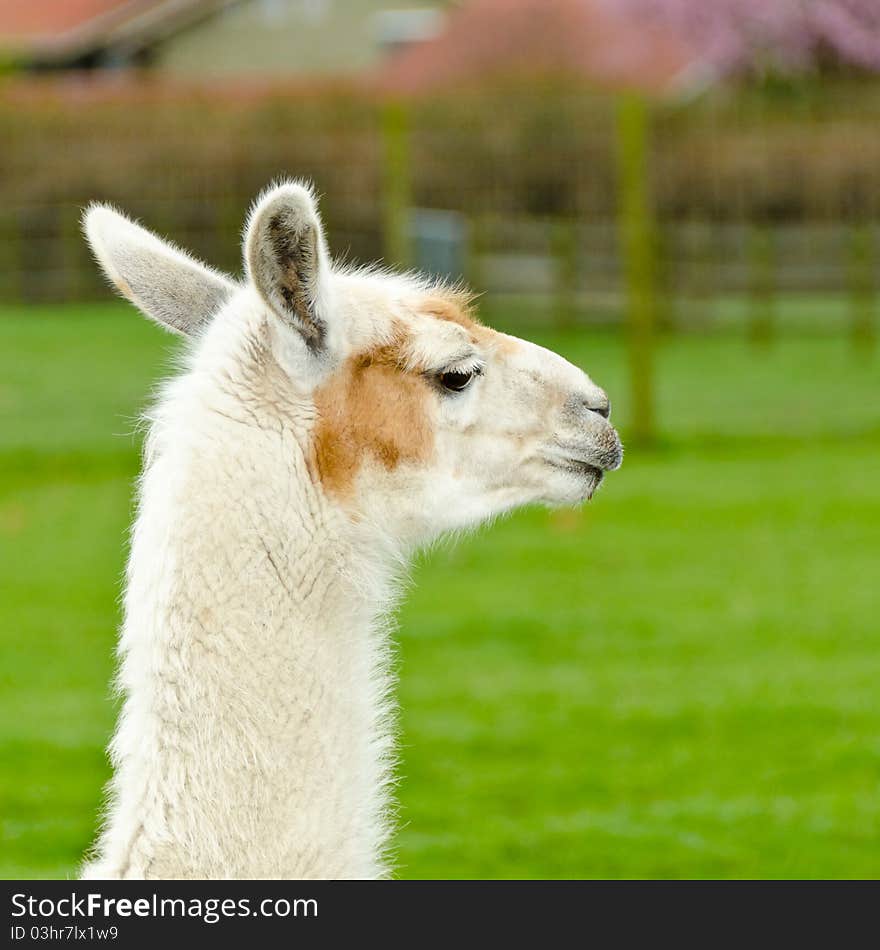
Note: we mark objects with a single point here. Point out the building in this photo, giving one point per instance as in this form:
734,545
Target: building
591,40
207,38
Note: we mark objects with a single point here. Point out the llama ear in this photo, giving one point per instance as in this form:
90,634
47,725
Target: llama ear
286,258
161,280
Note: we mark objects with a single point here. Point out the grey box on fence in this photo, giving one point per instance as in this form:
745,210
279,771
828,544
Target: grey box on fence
439,242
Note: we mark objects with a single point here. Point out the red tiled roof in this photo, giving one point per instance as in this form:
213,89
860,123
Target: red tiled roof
48,17
49,28
584,38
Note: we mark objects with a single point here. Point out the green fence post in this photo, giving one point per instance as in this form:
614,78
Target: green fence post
860,278
564,248
762,284
9,290
637,256
397,185
478,243
74,258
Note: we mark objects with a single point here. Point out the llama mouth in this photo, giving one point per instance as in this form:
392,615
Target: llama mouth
591,459
580,467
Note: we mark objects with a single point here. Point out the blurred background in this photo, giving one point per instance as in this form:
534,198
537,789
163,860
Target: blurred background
683,197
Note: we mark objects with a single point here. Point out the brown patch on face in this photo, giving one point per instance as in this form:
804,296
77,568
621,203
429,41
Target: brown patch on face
371,407
455,307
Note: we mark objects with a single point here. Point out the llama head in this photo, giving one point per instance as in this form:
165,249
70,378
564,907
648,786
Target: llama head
422,419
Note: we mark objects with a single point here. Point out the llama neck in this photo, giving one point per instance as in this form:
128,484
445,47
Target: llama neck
254,738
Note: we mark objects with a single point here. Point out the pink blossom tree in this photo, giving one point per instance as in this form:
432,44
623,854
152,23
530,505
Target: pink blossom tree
741,36
730,37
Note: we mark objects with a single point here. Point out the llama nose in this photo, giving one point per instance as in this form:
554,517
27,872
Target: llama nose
597,402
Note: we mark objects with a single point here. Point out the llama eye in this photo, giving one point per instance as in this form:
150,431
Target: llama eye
455,381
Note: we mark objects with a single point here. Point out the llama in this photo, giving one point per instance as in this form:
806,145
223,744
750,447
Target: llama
329,421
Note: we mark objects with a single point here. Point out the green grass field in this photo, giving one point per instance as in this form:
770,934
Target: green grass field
682,680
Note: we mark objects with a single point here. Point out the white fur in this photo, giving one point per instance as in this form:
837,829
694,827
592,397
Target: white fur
256,736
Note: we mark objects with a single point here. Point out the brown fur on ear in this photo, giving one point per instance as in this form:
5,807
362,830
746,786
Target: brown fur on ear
370,408
296,256
284,256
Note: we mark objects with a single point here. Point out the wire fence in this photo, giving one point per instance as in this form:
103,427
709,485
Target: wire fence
756,194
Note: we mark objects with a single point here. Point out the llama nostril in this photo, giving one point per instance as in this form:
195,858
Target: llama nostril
599,404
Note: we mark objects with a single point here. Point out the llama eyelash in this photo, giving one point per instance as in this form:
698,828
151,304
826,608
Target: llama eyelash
454,381
474,367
